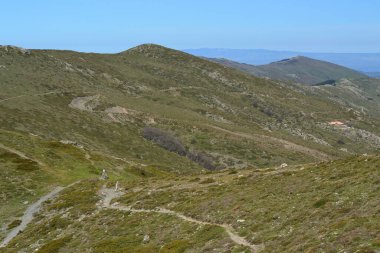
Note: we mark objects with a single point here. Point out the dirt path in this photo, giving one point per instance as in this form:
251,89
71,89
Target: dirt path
287,144
21,154
28,215
182,88
27,95
109,194
87,156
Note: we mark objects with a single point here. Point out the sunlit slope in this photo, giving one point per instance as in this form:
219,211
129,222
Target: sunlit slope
325,207
103,102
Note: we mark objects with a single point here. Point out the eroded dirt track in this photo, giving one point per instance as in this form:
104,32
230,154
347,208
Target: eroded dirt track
29,214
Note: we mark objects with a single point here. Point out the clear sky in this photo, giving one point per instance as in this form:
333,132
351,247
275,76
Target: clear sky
116,25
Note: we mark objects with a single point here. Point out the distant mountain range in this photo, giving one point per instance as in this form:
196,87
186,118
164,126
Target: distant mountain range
373,74
298,69
364,62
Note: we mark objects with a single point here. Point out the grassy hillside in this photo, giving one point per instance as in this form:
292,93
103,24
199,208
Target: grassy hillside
297,69
66,116
327,207
107,100
362,94
31,166
338,84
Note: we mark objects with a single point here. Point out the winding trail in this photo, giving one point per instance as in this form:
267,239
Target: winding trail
109,194
28,215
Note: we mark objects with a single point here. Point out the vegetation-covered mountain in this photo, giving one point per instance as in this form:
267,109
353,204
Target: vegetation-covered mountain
298,69
363,62
107,100
157,118
345,86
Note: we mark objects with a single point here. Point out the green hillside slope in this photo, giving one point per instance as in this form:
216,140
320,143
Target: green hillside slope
297,69
155,112
336,83
328,207
106,100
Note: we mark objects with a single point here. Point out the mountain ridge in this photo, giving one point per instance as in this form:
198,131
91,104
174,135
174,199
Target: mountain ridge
363,62
298,69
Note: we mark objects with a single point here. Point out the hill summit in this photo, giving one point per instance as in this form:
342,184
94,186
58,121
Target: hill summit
157,51
147,47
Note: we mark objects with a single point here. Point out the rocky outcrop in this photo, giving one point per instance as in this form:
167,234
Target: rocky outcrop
14,50
85,103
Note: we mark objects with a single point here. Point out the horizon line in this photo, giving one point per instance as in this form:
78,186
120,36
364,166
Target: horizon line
278,50
196,48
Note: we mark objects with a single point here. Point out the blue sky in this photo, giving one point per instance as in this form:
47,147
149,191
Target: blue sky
116,25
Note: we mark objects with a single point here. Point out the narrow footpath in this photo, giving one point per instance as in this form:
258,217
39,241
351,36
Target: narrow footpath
109,194
28,215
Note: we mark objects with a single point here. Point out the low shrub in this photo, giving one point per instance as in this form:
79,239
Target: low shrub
54,245
164,140
202,159
13,224
172,144
207,181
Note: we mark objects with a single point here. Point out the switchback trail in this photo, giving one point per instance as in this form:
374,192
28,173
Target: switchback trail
109,194
28,215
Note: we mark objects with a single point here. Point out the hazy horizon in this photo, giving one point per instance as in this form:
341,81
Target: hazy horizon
109,27
197,48
280,50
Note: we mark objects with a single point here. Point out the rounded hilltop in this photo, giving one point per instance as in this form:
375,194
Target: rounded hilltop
147,47
9,49
294,59
154,51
